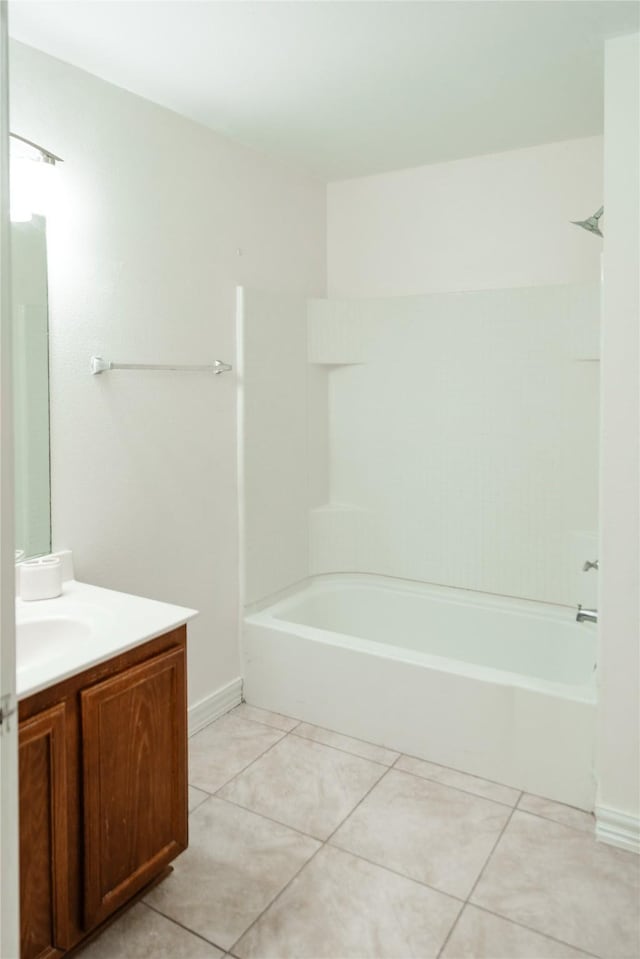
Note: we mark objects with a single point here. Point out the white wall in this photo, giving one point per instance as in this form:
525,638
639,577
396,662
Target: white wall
488,222
283,437
272,437
619,732
149,213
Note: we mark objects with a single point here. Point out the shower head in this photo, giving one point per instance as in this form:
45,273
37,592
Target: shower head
592,223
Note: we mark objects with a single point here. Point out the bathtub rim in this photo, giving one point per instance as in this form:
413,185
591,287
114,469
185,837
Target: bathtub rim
265,612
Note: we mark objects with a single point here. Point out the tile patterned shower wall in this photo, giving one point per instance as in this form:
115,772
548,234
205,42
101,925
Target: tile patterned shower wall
462,437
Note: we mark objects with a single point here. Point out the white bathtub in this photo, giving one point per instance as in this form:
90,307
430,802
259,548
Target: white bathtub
498,687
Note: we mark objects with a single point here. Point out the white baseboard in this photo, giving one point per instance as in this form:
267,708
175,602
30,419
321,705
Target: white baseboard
618,829
214,705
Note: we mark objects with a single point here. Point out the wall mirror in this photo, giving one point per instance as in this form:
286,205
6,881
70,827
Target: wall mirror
30,358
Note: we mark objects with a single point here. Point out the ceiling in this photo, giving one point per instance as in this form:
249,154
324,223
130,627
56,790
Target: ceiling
346,89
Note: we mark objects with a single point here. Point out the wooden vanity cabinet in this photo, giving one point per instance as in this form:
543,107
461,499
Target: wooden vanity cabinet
103,792
44,915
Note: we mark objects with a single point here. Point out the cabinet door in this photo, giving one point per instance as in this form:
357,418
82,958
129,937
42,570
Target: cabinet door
134,779
44,800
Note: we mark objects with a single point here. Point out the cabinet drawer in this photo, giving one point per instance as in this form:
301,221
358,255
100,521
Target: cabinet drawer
134,761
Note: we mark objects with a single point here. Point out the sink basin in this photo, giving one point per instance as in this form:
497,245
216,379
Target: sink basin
86,625
42,640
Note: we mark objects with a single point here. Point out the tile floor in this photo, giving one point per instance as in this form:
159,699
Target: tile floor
305,844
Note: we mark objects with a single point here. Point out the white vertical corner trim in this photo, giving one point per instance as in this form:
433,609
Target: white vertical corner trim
9,884
215,705
618,829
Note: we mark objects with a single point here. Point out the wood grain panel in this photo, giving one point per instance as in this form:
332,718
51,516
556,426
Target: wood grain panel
135,779
44,920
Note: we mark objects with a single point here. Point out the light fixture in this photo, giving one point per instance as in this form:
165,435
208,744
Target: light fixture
30,166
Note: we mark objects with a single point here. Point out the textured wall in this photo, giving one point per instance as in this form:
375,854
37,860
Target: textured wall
149,214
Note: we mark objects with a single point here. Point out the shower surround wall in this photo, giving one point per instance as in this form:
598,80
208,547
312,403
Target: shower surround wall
450,439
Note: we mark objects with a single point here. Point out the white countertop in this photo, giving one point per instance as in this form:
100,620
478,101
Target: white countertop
57,638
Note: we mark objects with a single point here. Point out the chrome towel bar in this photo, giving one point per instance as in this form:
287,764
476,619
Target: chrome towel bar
100,365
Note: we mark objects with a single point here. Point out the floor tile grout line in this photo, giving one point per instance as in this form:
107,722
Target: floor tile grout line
273,745
277,895
276,822
557,822
516,808
323,844
461,772
395,872
283,736
490,856
399,756
376,762
347,752
450,933
335,845
244,768
358,804
181,925
328,840
393,765
337,749
458,789
522,925
585,812
479,877
200,789
462,902
260,722
308,835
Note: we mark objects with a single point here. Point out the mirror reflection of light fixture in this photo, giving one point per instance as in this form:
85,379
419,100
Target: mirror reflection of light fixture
29,177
